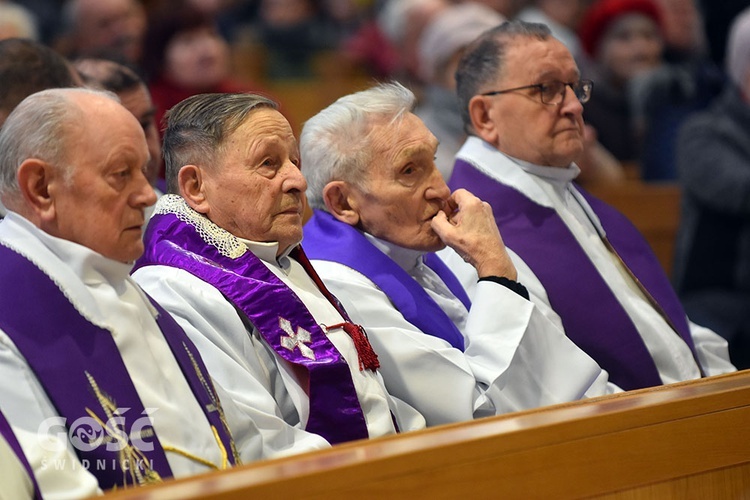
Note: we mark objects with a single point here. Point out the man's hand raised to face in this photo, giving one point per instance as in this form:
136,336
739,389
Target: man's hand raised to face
466,224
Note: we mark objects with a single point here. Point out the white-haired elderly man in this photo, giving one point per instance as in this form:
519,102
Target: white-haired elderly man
381,208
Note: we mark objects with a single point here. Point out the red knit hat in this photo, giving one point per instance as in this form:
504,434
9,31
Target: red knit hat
600,15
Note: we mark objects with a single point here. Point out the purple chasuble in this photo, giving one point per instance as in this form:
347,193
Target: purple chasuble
329,239
274,310
85,377
7,432
592,316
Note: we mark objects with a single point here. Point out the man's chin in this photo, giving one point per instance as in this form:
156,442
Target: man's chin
428,246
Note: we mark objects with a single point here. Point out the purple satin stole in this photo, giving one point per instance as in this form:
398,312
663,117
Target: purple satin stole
7,432
329,239
591,314
68,363
62,347
276,312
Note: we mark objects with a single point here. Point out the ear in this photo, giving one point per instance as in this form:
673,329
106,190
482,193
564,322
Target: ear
484,127
340,202
190,180
37,182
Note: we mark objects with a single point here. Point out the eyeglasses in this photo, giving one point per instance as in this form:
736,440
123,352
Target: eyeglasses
554,92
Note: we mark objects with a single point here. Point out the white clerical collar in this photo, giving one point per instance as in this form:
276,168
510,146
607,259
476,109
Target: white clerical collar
406,258
518,174
92,267
558,178
562,175
266,251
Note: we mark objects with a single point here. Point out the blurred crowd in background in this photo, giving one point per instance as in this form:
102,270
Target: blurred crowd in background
653,62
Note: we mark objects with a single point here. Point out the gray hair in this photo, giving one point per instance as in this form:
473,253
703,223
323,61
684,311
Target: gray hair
483,61
198,126
39,127
738,48
335,144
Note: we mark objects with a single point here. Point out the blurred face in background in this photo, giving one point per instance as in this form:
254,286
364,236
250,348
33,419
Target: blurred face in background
631,46
683,26
138,102
111,25
197,59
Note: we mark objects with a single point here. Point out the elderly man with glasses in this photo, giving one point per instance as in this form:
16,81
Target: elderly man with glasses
522,97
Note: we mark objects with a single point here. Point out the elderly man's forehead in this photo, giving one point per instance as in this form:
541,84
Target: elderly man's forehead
540,59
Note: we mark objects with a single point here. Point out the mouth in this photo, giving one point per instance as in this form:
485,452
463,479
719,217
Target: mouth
295,210
571,130
136,227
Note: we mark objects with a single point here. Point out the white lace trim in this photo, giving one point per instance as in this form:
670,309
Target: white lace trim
225,242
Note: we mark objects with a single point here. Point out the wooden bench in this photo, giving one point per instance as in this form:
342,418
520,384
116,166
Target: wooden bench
687,440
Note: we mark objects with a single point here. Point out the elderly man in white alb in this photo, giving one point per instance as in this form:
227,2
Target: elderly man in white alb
381,207
522,99
224,258
84,353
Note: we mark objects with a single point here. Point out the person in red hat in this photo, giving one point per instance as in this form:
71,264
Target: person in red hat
623,40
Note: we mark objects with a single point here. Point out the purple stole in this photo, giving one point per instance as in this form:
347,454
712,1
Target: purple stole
276,312
80,368
329,239
7,432
591,314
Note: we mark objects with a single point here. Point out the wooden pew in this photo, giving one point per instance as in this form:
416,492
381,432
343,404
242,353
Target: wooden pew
653,208
687,440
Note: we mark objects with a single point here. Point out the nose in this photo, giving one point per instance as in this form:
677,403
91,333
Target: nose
437,188
571,104
293,178
144,195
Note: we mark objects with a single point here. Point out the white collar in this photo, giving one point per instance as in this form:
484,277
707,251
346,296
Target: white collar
515,173
84,262
77,270
406,258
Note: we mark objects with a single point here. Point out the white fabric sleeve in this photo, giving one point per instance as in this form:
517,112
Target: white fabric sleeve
36,423
245,380
514,358
58,472
712,350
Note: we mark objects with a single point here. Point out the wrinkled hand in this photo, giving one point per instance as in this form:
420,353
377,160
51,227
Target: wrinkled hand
467,226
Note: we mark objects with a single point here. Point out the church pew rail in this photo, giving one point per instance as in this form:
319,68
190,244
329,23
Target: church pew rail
687,440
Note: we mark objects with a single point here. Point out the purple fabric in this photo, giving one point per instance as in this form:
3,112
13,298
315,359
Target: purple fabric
60,361
432,261
335,412
200,382
329,239
7,432
591,314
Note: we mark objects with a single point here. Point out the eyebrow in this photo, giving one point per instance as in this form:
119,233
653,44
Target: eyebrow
423,148
547,75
